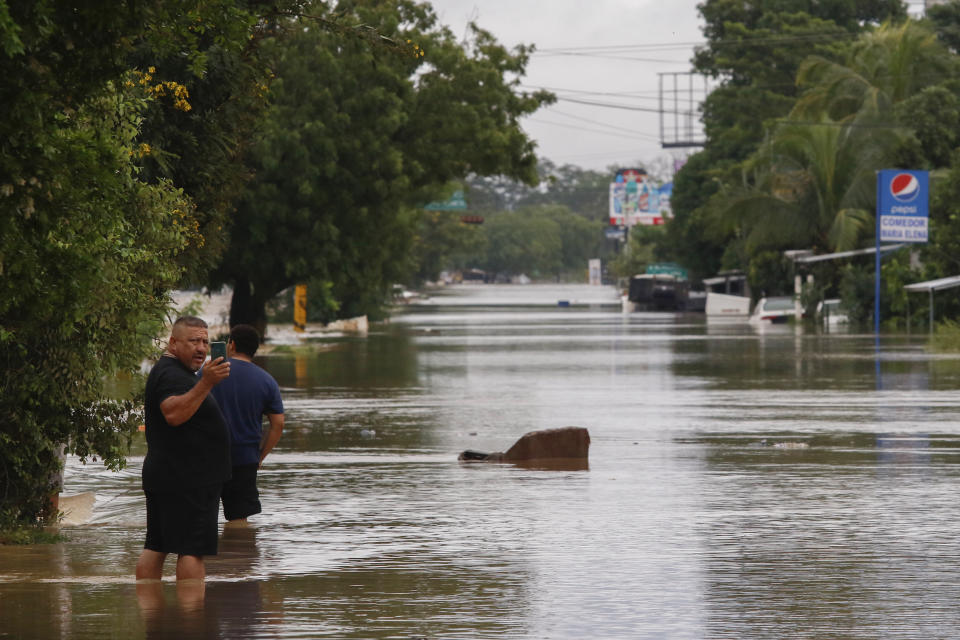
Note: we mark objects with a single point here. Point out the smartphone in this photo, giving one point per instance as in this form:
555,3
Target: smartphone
218,350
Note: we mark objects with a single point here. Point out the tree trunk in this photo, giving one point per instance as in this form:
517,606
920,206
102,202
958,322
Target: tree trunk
246,307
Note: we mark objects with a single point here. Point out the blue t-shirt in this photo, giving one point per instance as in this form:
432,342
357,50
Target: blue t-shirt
244,398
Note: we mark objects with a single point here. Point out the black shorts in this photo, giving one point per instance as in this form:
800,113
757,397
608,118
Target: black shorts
183,522
240,496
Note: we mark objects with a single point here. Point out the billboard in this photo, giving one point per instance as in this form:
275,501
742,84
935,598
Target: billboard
634,199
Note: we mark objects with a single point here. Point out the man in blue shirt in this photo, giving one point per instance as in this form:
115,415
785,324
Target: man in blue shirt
251,394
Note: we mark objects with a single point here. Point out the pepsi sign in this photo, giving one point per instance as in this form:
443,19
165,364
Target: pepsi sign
902,205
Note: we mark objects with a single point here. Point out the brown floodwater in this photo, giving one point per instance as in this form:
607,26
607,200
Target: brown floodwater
743,482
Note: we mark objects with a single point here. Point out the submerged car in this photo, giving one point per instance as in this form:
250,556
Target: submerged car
830,311
774,310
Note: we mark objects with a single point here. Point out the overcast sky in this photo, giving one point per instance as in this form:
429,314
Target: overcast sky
600,51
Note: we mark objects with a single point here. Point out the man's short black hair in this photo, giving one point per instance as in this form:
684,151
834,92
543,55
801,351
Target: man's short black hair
190,321
245,339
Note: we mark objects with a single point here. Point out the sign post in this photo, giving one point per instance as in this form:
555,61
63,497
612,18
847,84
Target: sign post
903,205
300,308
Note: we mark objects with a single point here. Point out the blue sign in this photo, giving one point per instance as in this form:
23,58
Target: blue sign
903,205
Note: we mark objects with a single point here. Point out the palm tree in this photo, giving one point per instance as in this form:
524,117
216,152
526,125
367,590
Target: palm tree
882,68
812,184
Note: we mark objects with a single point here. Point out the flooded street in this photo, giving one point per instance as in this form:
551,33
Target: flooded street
744,482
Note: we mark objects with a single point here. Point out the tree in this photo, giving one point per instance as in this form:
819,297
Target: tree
879,70
812,185
520,243
89,249
443,242
945,19
356,139
754,49
813,181
92,244
208,106
582,191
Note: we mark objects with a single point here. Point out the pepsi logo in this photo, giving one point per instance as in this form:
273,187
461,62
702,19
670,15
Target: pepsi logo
904,187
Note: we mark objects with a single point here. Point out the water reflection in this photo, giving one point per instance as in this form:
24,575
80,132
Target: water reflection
691,521
229,605
824,542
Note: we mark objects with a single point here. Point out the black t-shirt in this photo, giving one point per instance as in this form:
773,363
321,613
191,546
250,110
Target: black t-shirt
194,454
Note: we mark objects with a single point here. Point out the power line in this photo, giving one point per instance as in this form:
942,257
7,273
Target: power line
622,47
647,95
838,34
609,105
596,131
602,124
626,58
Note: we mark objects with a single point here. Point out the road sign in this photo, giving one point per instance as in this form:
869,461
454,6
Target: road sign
668,269
456,202
903,205
615,233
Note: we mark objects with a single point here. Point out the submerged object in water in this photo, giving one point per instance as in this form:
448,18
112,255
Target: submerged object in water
563,448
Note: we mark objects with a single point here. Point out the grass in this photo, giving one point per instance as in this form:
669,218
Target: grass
30,535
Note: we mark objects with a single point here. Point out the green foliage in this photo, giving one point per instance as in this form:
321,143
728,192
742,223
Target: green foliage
946,337
208,106
29,534
87,255
770,274
641,252
896,274
542,242
519,243
92,242
946,23
689,238
933,114
942,253
756,49
857,293
443,242
811,185
356,138
879,69
321,305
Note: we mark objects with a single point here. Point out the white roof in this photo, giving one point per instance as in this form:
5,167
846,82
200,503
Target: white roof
934,285
848,254
722,279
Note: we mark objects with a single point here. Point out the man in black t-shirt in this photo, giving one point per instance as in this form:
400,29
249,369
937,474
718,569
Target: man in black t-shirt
188,454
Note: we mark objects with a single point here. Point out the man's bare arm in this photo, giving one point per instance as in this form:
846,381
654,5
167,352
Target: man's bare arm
178,409
273,436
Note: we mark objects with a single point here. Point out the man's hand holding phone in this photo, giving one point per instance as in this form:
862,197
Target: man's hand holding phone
218,350
218,368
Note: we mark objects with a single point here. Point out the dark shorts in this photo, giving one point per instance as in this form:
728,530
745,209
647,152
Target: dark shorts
183,522
240,496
